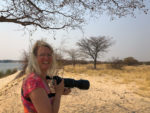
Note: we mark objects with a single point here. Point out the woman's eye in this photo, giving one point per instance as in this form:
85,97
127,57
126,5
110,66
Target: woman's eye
43,55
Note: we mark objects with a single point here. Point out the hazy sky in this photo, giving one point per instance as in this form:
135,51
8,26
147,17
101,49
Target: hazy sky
131,36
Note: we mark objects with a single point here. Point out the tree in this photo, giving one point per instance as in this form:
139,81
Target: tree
59,54
73,53
94,46
63,14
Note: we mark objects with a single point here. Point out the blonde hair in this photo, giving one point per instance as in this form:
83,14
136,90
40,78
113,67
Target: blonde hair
32,61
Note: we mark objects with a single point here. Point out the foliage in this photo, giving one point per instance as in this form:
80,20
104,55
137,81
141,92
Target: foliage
14,70
94,47
63,14
74,55
116,64
24,62
1,74
146,63
130,61
8,72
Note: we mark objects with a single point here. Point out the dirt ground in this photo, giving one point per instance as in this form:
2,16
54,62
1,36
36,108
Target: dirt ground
104,96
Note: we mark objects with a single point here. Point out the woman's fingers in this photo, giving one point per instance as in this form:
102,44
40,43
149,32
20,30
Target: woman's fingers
66,91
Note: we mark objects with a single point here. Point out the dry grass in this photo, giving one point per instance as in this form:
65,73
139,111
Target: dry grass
104,95
140,75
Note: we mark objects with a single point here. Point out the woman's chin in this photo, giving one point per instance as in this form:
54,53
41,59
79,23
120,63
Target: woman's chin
45,68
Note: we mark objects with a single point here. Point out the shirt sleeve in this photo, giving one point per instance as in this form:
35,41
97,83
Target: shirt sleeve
32,83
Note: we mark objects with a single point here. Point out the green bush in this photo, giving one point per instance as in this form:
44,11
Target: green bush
1,74
14,70
130,61
8,72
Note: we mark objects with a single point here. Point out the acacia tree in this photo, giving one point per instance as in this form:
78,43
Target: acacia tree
62,14
73,54
94,46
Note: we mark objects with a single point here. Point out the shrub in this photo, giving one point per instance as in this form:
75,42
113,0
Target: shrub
116,64
130,61
1,74
147,63
14,71
8,72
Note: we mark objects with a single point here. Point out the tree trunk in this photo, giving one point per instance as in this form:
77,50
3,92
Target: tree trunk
94,63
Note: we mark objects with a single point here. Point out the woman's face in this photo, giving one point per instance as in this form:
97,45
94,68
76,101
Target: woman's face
44,58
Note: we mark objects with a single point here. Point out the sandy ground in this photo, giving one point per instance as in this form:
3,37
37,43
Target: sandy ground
6,80
104,96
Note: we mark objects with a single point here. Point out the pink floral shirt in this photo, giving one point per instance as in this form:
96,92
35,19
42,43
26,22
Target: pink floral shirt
32,82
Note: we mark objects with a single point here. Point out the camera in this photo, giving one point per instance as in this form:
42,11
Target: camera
71,83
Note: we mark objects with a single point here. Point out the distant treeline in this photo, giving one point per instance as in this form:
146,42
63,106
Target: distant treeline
116,63
68,62
128,62
9,61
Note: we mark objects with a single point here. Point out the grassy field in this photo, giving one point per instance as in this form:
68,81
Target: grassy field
139,75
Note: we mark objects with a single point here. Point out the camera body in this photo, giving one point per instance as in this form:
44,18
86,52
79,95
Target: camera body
71,83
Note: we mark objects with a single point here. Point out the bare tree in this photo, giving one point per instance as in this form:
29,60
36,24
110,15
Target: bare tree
73,54
94,46
24,62
63,14
60,53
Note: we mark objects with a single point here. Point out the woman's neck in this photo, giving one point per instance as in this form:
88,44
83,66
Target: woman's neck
43,75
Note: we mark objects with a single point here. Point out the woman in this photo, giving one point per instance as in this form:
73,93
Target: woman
36,93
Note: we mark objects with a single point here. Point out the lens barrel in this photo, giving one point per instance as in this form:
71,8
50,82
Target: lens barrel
81,84
71,83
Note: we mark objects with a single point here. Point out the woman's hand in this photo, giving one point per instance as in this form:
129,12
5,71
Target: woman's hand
59,89
66,91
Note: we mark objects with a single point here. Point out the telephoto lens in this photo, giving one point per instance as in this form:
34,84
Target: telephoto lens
81,84
71,83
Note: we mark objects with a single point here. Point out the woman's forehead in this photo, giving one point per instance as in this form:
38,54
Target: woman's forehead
44,48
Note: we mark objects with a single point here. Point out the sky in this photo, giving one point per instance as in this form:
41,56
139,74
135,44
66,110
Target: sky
131,36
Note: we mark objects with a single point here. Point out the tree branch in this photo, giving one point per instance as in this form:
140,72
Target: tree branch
35,6
25,23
